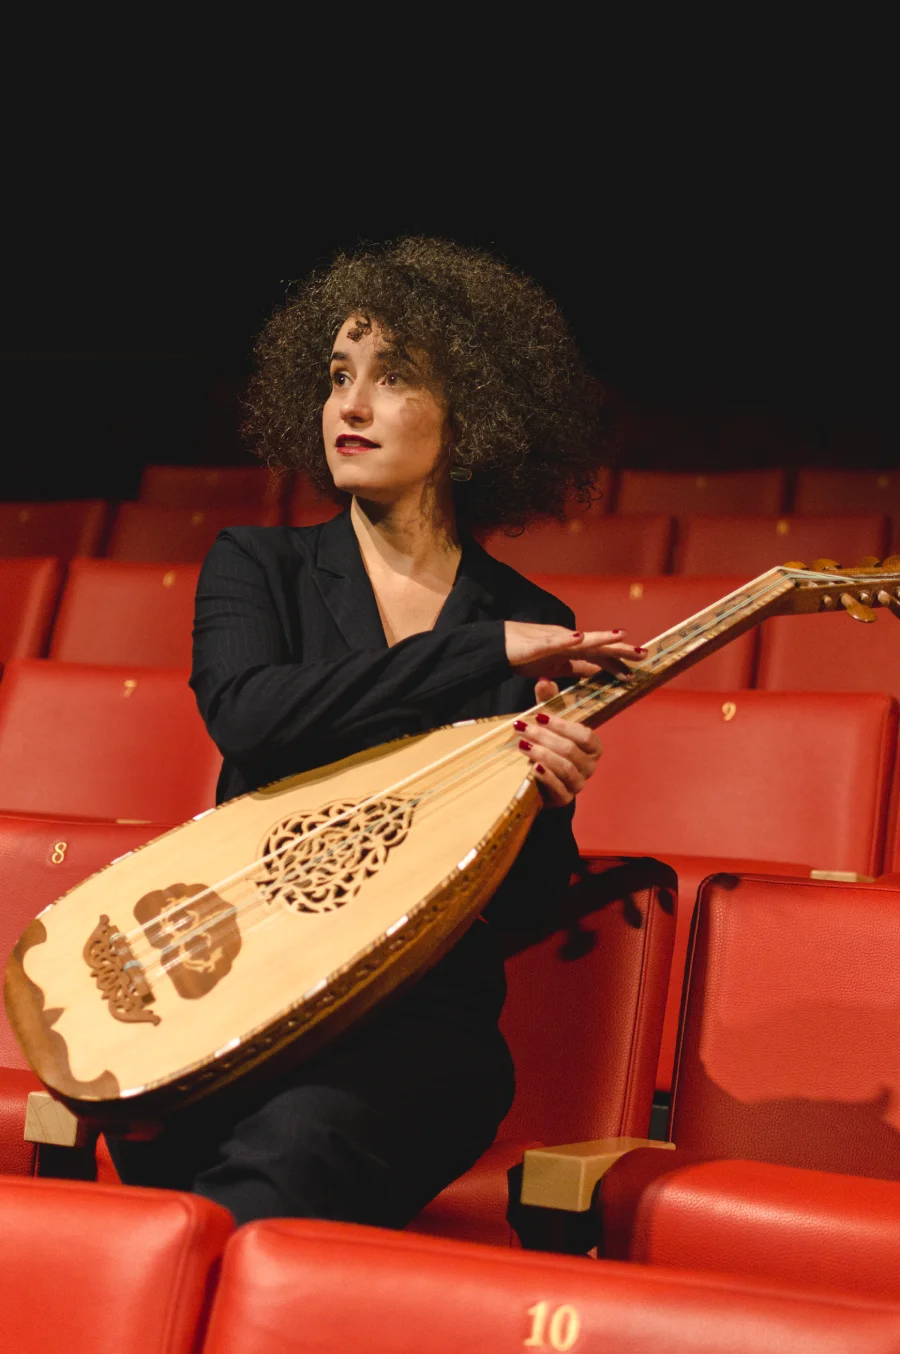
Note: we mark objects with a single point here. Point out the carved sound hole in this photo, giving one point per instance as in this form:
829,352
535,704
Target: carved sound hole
323,872
199,940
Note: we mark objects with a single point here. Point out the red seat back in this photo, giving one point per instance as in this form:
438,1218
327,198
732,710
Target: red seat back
40,860
590,544
142,531
759,774
79,741
646,607
98,1270
751,545
197,486
605,967
828,653
60,529
834,491
790,1044
307,506
681,494
116,612
306,1286
28,592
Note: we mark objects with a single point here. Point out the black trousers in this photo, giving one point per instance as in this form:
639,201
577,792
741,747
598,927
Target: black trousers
369,1131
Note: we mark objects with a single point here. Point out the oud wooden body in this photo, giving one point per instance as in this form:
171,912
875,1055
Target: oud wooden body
268,976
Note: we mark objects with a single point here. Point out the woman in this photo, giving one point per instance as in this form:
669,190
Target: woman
448,395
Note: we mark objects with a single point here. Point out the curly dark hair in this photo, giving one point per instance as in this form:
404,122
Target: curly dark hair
524,411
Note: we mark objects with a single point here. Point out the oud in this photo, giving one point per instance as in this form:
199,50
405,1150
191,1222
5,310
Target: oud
263,928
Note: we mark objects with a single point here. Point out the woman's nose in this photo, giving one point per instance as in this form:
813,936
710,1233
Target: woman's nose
356,405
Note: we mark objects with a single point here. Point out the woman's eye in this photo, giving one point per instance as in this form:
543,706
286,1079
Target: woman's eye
393,378
338,378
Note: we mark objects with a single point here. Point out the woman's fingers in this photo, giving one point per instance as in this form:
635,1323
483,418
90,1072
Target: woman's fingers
566,754
545,690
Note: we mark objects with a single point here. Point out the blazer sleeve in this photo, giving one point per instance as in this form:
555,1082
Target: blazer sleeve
256,702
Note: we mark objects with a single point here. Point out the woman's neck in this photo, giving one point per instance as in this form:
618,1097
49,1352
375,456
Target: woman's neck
406,537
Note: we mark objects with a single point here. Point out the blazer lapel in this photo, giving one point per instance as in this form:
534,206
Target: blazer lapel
345,587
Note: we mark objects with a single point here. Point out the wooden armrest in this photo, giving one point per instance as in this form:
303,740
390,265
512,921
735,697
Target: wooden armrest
565,1177
49,1122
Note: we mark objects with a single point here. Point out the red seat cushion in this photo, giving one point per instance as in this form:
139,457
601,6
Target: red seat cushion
97,1270
832,491
808,654
592,543
752,1218
790,1043
59,529
752,545
307,506
306,1286
683,494
28,592
80,741
645,607
116,612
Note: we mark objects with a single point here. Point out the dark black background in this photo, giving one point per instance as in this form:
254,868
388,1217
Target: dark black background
724,250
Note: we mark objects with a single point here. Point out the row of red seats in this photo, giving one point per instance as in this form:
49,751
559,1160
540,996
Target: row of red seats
115,612
784,1059
638,545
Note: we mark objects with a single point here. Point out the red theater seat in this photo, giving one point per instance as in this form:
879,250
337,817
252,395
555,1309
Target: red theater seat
747,781
28,592
833,491
752,545
751,1218
646,607
595,544
307,506
582,1018
828,653
93,1270
78,741
60,529
40,860
197,486
309,1286
178,535
116,612
789,1048
680,494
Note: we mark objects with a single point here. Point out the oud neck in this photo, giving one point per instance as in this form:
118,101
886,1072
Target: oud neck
594,700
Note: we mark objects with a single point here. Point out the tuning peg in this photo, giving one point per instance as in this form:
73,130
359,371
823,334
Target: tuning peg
822,564
891,564
793,564
858,610
867,562
892,603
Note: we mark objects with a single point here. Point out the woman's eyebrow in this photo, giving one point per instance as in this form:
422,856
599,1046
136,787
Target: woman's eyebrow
338,357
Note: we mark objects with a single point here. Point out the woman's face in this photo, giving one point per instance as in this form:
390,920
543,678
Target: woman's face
385,429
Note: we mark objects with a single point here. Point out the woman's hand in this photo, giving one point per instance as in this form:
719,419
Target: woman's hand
552,651
564,754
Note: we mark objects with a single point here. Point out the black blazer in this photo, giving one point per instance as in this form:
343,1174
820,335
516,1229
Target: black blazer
292,670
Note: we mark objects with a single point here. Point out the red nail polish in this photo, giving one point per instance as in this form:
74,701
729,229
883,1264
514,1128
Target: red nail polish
542,718
523,746
519,725
539,768
618,632
641,651
578,634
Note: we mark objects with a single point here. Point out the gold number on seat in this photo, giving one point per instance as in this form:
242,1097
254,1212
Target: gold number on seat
729,710
59,853
636,591
563,1330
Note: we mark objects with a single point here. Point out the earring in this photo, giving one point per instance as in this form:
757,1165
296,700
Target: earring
460,473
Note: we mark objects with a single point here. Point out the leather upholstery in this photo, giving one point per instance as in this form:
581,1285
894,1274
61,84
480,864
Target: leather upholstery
28,592
751,545
95,1270
142,531
199,486
17,1157
589,543
789,1049
828,653
683,494
60,529
789,782
646,607
752,1218
304,1286
823,491
95,742
582,1018
115,612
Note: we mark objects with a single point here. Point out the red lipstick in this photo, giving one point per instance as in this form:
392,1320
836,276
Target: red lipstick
351,444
